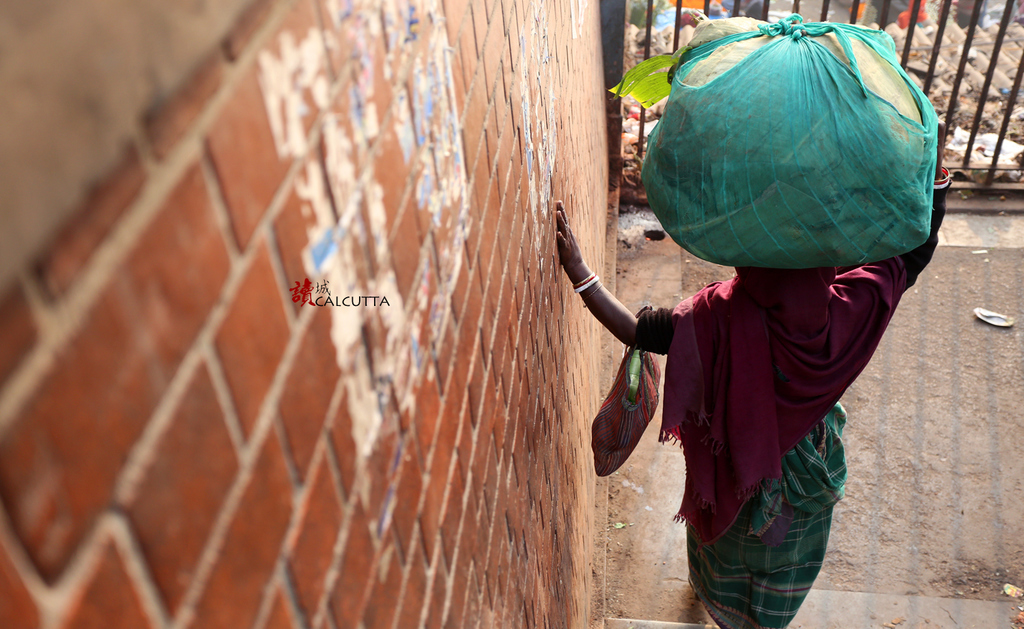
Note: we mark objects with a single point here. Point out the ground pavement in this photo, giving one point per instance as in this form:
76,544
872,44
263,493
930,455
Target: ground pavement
932,525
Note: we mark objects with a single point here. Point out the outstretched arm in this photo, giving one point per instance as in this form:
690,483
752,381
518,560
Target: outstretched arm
608,310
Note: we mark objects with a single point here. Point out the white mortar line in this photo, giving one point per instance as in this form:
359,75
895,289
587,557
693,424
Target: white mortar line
138,570
279,276
220,210
144,451
223,391
267,602
286,447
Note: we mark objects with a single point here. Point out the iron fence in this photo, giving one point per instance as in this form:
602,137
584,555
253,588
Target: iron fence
963,40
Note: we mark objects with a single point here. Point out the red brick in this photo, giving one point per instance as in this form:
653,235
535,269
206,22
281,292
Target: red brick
503,157
428,408
415,588
382,91
477,382
452,514
251,547
58,463
494,46
391,168
465,354
17,330
183,489
167,121
381,469
405,245
344,445
499,111
291,229
471,615
407,500
110,601
314,549
480,12
490,484
248,23
473,125
460,589
16,606
444,348
309,388
437,481
460,79
386,582
454,12
438,597
91,222
466,45
245,157
462,287
279,618
252,338
350,592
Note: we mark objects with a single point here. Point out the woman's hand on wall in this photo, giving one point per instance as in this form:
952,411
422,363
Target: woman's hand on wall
569,254
608,310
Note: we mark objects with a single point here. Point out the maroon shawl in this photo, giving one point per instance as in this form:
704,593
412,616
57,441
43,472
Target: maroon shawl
755,363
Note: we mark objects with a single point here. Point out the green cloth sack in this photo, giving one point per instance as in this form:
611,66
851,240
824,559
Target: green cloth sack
791,145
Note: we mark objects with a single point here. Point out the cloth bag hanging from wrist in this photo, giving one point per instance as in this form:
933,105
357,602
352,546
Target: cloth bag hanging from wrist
626,410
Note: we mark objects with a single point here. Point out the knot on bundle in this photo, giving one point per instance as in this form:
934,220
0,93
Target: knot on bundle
793,26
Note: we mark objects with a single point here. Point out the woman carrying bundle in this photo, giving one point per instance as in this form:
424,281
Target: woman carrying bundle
755,370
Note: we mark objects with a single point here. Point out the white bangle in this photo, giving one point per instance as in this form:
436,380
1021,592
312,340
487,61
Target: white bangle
592,281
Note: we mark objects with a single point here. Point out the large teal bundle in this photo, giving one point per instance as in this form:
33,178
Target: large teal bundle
792,145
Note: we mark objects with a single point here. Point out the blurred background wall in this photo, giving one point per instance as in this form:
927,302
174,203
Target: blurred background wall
283,337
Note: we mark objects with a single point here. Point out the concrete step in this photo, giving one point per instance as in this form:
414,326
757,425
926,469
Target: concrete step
628,623
830,609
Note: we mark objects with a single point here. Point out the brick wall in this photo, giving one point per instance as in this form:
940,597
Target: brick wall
185,441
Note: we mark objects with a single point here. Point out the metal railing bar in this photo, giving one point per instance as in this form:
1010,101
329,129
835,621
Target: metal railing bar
915,9
824,11
854,10
647,55
976,165
735,8
955,92
883,18
1011,101
796,6
707,6
679,18
988,80
979,44
764,11
943,17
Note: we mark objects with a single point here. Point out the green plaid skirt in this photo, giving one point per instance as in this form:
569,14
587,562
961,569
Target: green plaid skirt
747,584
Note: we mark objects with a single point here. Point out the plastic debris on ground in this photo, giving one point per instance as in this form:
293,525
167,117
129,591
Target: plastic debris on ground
985,144
1013,590
1002,321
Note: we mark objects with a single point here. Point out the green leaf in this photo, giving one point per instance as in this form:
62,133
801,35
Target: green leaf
652,89
648,82
619,525
640,72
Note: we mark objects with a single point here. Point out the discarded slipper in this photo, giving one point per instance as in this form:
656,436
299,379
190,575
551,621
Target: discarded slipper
993,318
